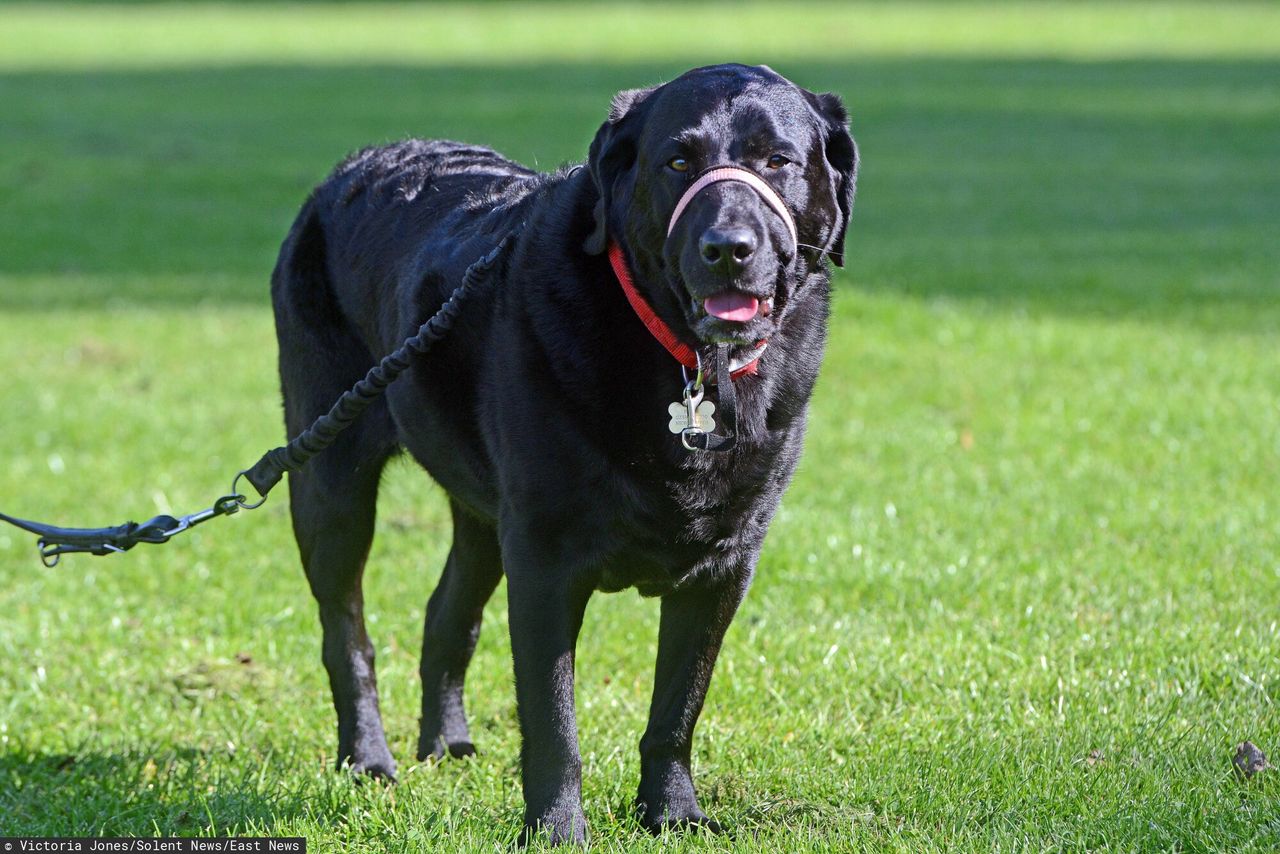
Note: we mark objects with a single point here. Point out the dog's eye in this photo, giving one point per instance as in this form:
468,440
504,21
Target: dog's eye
679,164
777,161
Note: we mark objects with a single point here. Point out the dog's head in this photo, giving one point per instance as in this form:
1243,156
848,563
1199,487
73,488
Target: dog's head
730,263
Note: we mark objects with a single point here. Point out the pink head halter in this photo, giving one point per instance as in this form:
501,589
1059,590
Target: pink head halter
746,176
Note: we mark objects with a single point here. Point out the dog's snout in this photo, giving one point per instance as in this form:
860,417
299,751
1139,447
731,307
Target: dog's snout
727,250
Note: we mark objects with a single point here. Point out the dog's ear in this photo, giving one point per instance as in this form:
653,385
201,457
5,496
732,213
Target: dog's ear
612,152
842,161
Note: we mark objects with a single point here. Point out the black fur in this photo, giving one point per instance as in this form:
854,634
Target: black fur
544,413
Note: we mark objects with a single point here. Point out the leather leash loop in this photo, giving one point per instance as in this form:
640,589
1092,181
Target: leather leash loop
56,541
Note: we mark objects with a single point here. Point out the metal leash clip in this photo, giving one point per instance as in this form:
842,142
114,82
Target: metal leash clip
693,417
55,541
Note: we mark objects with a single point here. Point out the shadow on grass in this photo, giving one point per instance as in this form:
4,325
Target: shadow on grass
1140,188
179,792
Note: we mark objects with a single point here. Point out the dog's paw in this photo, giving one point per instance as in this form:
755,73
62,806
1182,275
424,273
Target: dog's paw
438,749
557,827
373,771
675,816
376,765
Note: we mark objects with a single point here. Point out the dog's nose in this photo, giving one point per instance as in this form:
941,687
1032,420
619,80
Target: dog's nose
727,250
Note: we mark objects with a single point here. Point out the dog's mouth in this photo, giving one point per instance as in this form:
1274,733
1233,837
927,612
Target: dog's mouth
736,306
730,316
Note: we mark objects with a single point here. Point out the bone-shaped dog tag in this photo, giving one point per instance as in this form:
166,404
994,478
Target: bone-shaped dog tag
694,412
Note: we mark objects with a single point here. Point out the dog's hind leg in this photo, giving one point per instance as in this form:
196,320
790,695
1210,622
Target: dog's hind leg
450,632
333,522
333,498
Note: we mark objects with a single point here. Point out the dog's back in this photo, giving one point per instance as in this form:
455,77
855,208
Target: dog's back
364,225
429,181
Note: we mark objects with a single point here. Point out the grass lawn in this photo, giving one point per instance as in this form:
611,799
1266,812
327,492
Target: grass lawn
1023,594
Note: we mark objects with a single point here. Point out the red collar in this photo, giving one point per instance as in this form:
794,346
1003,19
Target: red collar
680,351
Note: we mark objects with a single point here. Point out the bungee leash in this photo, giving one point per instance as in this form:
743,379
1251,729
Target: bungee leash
263,475
267,472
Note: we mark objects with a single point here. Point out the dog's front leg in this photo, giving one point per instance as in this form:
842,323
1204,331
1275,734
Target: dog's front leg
545,609
693,624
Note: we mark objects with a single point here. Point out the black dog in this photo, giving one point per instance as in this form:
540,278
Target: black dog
545,413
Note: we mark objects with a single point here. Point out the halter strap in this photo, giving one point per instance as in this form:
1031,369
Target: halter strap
736,173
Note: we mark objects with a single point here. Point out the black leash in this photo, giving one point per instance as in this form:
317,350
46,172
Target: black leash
267,472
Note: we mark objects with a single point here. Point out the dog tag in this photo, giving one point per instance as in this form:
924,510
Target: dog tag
693,412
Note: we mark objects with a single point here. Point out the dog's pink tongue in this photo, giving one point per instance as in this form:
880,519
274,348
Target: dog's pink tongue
732,305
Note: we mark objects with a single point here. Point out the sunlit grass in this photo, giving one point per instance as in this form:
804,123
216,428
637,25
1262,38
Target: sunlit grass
76,35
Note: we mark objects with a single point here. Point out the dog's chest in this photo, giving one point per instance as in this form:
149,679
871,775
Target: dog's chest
706,521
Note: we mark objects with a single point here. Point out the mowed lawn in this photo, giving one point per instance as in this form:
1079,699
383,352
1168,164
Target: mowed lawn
1024,593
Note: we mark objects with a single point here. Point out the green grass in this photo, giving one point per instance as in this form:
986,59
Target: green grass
1036,517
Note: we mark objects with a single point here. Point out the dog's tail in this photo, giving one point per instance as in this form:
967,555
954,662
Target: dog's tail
300,282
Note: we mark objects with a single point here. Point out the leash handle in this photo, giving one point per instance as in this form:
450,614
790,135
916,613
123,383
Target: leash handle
56,541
